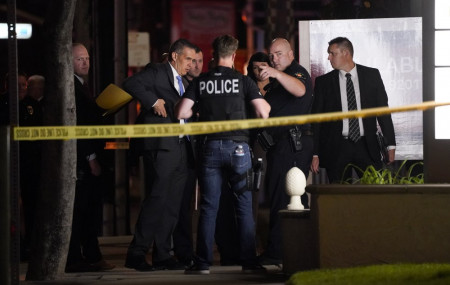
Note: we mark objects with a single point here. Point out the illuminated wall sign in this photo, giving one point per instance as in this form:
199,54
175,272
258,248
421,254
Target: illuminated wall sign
442,67
138,49
23,31
442,15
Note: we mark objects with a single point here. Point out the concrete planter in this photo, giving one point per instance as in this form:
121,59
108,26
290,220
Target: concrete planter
352,225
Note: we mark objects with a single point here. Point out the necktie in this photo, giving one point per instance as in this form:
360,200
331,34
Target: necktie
180,84
353,127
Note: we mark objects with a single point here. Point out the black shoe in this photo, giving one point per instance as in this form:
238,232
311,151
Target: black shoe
103,265
138,263
168,264
254,269
267,260
81,266
187,261
197,269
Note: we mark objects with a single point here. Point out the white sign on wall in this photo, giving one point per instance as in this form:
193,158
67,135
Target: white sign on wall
138,49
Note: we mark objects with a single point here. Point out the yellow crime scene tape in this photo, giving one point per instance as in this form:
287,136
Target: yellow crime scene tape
198,128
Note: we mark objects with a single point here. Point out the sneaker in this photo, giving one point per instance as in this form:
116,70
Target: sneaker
197,269
254,269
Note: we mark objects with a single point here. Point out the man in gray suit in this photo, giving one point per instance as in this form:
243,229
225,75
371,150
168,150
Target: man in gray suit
339,143
158,88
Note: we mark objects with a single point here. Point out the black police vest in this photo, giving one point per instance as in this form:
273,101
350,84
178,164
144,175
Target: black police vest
221,98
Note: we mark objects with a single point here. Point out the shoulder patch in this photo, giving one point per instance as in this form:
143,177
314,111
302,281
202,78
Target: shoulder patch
299,75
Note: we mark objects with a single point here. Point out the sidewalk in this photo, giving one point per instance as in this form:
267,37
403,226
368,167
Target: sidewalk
114,251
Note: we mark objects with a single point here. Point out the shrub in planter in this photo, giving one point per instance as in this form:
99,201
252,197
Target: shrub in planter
385,175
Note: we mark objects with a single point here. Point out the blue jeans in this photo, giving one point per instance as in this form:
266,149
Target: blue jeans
220,160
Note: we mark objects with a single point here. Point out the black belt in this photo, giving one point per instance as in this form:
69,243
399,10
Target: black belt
304,133
347,138
285,135
208,139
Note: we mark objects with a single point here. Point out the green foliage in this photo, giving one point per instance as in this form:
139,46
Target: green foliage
384,175
386,274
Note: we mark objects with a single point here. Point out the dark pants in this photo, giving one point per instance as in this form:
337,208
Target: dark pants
166,174
280,159
182,236
30,167
87,214
350,152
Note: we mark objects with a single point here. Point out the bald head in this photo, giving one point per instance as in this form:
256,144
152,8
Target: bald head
281,43
281,54
80,59
36,84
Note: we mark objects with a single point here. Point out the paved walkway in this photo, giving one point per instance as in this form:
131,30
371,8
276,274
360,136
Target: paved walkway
114,250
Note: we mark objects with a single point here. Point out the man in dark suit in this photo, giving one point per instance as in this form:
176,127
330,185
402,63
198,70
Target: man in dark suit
339,143
158,89
84,251
183,244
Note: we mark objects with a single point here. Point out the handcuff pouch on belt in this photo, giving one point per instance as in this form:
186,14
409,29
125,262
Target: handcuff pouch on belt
295,135
265,140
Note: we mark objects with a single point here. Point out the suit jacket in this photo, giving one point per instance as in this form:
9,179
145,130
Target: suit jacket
153,83
327,98
87,114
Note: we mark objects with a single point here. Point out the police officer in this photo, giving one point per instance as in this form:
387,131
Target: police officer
30,114
289,94
224,94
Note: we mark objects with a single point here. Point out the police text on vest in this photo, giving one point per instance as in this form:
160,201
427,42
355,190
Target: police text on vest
220,86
